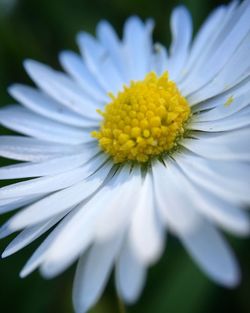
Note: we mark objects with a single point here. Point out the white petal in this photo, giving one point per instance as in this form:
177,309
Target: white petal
237,29
51,183
8,205
40,253
121,211
224,105
224,80
35,150
22,120
228,180
94,54
43,185
138,47
212,254
83,221
236,121
112,44
228,146
146,232
112,76
181,27
226,215
234,27
174,205
45,168
226,109
91,51
5,231
207,30
218,209
44,105
92,273
160,59
100,63
61,88
29,235
215,27
130,275
60,201
76,67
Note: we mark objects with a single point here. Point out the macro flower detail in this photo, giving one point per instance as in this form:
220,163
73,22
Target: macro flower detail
145,120
132,142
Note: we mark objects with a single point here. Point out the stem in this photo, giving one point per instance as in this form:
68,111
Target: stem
121,305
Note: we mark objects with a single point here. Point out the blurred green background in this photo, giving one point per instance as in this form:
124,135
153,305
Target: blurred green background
39,29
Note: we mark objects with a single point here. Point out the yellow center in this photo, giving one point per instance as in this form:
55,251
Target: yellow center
144,120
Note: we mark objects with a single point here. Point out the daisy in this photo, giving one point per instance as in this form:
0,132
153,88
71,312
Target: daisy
133,142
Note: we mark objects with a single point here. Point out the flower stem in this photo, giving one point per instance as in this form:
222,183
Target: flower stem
121,305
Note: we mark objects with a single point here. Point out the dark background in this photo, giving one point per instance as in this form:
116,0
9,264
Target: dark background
39,29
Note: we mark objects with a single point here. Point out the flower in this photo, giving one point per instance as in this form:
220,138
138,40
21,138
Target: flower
131,142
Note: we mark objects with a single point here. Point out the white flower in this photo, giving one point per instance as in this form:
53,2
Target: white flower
109,184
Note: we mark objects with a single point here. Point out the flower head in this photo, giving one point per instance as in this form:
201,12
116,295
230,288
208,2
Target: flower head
145,120
132,141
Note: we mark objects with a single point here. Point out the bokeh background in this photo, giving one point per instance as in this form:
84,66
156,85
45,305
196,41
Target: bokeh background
39,29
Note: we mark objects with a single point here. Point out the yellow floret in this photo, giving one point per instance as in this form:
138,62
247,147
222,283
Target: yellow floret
144,120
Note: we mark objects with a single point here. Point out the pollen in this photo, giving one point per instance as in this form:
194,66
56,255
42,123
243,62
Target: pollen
229,101
145,120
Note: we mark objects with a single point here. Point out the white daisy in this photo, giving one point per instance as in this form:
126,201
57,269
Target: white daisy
132,142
